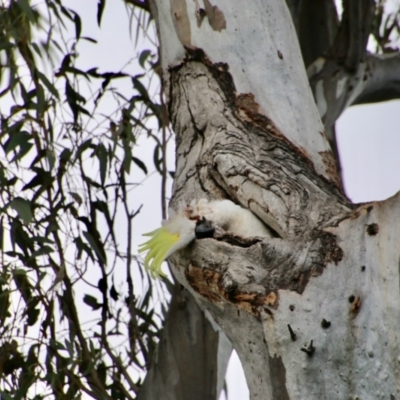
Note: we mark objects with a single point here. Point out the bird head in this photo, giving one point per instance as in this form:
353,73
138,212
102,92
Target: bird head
197,220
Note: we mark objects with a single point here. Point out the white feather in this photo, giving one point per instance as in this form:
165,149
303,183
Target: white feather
229,217
179,230
182,226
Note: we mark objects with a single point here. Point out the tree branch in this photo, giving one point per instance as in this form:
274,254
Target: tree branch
335,88
316,23
350,43
143,4
188,363
338,77
383,82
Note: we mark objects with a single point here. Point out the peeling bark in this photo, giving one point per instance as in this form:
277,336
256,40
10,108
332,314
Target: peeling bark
243,152
312,312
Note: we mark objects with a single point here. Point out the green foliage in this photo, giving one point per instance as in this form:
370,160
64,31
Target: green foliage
64,176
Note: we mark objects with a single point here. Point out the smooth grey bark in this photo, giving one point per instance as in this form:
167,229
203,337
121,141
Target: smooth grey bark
383,81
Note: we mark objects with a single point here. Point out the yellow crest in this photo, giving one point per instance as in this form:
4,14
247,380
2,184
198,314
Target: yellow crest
157,248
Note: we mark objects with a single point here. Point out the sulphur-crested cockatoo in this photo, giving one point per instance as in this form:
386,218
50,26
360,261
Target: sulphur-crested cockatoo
179,230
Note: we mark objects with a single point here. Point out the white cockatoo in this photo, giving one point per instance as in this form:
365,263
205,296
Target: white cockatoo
179,230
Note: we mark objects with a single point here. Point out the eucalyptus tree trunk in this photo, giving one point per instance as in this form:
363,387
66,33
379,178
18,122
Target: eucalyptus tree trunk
313,312
191,358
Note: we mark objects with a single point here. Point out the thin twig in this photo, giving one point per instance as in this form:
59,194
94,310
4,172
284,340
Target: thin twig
144,5
131,305
164,154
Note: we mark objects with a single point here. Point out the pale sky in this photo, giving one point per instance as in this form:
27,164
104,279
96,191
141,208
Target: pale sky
369,142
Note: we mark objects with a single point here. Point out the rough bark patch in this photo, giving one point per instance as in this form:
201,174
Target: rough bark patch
329,250
330,164
246,101
247,110
210,285
227,145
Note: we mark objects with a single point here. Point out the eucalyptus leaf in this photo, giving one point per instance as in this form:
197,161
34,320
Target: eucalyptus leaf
23,208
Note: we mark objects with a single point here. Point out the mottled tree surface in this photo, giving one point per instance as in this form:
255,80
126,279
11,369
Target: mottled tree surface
313,312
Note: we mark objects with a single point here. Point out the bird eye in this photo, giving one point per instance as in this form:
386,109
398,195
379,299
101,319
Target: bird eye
204,229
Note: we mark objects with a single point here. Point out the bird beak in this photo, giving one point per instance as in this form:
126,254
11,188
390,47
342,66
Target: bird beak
204,229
